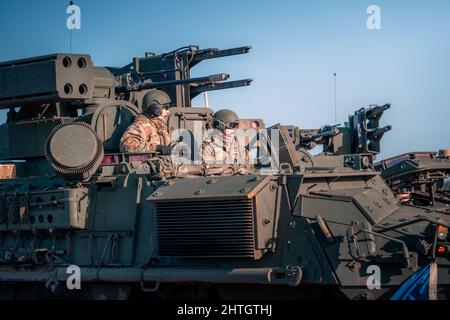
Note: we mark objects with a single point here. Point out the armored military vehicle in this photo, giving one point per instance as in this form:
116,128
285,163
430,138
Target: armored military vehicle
80,219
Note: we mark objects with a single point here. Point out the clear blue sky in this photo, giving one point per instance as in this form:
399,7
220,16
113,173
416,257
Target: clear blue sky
297,45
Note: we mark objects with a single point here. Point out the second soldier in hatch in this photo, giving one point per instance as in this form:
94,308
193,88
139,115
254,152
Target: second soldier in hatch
223,146
149,131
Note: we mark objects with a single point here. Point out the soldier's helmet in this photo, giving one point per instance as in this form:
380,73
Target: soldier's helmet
154,102
225,118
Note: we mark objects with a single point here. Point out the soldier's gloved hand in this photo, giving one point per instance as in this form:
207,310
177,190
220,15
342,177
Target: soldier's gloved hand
164,150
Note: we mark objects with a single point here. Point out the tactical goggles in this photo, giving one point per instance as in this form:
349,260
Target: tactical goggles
224,125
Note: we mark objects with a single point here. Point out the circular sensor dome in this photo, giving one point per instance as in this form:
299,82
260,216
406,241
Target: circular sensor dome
74,150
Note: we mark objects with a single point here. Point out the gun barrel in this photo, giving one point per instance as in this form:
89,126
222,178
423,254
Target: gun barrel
334,131
215,53
219,86
153,85
315,137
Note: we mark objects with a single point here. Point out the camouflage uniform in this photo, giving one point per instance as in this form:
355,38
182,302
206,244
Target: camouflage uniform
217,151
144,135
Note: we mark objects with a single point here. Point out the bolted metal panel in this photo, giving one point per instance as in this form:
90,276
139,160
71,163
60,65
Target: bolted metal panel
220,228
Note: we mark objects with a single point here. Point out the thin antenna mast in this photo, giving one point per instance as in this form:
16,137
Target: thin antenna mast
335,99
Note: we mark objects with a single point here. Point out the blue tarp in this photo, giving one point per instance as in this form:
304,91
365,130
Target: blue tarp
417,287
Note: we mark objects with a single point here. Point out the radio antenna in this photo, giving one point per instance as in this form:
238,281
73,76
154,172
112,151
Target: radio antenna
335,98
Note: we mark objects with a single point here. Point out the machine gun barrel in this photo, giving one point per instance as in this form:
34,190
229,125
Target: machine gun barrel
216,53
219,86
153,85
329,132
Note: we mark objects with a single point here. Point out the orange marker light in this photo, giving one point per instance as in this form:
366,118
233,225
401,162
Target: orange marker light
442,232
442,229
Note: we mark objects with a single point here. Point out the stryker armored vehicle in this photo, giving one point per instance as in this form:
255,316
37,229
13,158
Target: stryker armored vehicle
81,220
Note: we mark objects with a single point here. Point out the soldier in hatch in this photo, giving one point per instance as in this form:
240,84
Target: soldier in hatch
222,146
149,131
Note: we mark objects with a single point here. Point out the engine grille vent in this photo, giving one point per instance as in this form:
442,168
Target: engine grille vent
217,228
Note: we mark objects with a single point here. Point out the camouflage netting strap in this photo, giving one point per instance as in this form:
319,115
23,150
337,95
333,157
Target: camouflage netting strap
164,168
